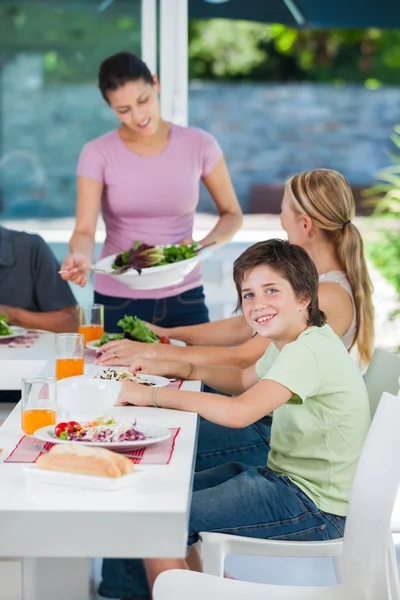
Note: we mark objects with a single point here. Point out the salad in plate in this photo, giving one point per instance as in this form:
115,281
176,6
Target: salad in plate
133,329
4,329
142,256
100,430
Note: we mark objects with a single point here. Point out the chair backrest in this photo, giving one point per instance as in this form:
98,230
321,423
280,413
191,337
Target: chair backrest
381,376
367,532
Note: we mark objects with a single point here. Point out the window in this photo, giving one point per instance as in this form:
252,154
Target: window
50,106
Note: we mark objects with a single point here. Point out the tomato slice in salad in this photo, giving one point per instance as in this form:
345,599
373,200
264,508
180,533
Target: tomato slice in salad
68,427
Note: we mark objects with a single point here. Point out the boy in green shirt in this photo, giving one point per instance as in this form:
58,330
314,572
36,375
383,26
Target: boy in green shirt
320,404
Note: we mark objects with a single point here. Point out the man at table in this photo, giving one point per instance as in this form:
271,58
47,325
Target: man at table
32,294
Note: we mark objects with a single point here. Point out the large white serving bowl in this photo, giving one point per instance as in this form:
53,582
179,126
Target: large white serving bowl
85,397
153,278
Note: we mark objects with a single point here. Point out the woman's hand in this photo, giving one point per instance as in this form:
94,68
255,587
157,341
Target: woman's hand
136,394
123,352
77,267
187,241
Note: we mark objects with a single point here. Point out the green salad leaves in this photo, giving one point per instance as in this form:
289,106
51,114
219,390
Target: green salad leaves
142,256
4,329
134,329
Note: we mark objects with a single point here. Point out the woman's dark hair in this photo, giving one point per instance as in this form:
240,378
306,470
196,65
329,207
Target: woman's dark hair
116,70
292,262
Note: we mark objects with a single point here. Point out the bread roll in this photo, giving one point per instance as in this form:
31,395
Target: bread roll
75,458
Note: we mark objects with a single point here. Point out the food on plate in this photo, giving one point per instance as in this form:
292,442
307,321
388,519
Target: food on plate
68,427
85,461
137,330
142,256
108,337
100,430
4,329
113,375
134,329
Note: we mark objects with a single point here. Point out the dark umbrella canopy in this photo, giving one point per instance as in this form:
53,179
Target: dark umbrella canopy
383,14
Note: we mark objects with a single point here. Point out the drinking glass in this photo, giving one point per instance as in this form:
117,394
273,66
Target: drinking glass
38,403
91,322
69,355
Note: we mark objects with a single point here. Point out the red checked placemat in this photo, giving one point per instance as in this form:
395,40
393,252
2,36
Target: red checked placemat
157,454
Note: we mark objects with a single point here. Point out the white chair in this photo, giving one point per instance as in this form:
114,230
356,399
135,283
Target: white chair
382,375
367,548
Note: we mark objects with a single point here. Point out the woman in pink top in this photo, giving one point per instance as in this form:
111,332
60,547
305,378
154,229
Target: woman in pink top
145,178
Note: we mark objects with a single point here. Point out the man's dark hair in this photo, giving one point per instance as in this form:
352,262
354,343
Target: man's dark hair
116,70
292,262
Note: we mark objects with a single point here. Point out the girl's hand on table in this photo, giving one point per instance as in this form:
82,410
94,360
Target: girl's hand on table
158,367
136,394
77,267
123,352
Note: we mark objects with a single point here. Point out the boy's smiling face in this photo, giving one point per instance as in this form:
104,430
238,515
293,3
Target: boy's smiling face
271,307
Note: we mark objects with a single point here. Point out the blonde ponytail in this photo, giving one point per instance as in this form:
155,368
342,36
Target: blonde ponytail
351,255
326,197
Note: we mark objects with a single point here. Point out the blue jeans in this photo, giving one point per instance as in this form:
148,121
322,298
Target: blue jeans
247,501
188,308
219,445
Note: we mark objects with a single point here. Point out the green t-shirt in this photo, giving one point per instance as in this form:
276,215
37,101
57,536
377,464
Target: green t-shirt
317,436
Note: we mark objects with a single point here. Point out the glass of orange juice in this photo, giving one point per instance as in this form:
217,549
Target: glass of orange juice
38,403
91,322
69,355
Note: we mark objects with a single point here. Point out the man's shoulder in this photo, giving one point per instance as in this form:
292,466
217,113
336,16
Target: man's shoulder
31,240
26,244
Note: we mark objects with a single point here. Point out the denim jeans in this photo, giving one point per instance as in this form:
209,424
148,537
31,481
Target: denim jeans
242,500
219,445
188,308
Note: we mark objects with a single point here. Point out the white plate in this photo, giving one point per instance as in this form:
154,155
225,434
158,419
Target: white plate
153,278
110,484
154,436
16,331
92,345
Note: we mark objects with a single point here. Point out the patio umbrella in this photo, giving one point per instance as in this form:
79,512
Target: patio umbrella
384,14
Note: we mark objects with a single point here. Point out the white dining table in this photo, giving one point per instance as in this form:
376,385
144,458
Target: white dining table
56,531
19,362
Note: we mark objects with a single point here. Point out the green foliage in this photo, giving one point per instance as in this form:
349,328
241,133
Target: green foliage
385,195
238,49
73,37
385,255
